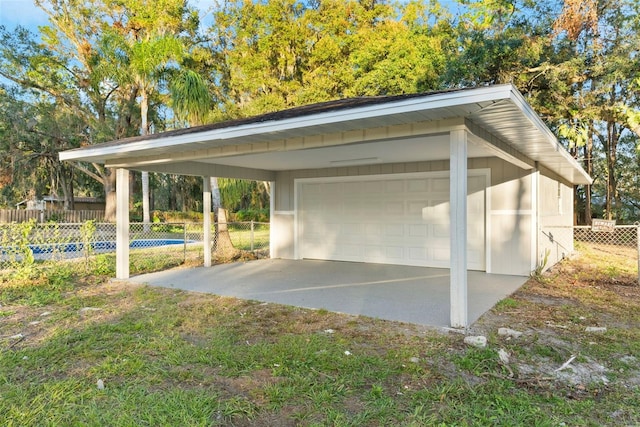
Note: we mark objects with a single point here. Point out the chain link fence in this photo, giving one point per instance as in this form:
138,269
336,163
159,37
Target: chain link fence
150,244
559,240
562,236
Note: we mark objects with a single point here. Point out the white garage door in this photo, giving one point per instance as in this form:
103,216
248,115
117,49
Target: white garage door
391,219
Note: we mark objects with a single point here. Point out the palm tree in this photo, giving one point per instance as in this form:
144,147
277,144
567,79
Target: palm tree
191,101
147,45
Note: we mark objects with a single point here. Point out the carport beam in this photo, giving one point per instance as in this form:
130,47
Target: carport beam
122,224
458,227
206,215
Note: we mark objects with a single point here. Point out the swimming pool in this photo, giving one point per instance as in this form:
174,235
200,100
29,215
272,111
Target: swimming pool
45,251
102,246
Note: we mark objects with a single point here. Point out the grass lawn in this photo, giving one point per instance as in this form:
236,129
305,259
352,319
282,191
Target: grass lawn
171,358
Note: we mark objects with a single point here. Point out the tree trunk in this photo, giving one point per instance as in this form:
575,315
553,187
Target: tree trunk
109,183
611,153
588,165
216,201
224,246
144,112
67,189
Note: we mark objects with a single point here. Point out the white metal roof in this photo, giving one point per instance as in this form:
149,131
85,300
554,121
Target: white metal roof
320,137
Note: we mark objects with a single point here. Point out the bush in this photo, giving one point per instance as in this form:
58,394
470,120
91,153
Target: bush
258,215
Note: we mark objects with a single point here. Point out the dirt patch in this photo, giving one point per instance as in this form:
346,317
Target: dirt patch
553,312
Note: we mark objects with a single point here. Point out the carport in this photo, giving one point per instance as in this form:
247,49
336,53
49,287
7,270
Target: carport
460,179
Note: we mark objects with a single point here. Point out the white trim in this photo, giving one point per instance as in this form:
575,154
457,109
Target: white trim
206,220
458,260
122,223
374,177
487,218
284,213
535,190
296,216
272,211
512,212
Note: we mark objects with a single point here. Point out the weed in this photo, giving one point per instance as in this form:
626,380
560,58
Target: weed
506,304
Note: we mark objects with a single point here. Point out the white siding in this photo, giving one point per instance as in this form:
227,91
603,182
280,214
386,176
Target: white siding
555,237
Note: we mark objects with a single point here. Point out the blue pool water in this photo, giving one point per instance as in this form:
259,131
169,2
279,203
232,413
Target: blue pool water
103,246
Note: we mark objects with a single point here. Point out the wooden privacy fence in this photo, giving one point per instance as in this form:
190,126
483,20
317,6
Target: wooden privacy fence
21,215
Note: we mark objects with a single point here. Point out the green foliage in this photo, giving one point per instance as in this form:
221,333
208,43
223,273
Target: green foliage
14,244
243,195
258,215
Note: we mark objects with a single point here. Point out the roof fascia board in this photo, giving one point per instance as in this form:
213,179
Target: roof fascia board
428,102
523,105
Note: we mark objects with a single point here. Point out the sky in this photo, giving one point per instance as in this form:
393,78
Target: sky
26,14
21,12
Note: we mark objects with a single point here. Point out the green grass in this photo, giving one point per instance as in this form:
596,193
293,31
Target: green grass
171,358
242,237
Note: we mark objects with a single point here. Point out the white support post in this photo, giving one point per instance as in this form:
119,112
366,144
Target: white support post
206,211
122,224
272,210
458,227
535,217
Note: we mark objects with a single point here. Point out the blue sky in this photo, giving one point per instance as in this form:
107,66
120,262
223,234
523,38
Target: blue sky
25,13
21,12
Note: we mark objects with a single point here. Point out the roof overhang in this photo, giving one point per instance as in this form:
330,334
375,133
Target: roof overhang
340,134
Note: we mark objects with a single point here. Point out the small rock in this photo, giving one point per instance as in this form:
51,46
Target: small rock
595,329
16,337
617,414
347,353
87,309
25,357
504,356
46,313
329,331
509,332
100,384
476,341
629,360
414,360
35,322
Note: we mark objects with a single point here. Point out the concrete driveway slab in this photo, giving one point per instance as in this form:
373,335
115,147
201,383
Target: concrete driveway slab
408,294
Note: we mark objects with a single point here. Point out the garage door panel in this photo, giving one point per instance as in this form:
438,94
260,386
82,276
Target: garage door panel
393,230
415,207
441,231
418,254
394,186
440,185
398,221
417,185
418,230
394,252
393,208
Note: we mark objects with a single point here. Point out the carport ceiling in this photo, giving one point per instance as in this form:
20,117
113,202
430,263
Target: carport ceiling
431,147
